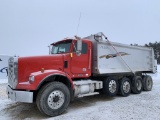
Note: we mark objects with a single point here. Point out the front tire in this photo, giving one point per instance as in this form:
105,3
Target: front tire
110,86
53,99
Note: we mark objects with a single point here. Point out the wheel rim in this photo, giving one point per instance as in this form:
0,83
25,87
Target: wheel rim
112,86
139,85
126,87
56,99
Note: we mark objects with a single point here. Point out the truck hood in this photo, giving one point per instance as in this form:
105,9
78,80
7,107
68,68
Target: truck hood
28,65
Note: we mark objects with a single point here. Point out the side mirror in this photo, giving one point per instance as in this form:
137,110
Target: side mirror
50,49
79,46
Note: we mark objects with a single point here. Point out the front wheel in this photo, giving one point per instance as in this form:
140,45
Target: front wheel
53,99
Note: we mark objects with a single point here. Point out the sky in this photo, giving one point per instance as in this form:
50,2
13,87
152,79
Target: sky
27,27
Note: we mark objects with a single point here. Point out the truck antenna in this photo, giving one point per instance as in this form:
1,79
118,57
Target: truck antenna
78,23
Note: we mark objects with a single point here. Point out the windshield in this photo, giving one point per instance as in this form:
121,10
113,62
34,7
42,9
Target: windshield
63,47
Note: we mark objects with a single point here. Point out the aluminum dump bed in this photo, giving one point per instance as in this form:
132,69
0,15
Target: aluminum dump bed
109,57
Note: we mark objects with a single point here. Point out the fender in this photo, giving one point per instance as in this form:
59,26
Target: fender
55,73
41,77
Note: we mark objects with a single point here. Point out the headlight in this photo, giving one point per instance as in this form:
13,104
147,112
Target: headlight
31,78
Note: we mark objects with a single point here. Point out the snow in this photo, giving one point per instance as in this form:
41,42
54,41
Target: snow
98,107
3,81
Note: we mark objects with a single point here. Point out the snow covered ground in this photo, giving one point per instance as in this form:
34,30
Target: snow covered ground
144,106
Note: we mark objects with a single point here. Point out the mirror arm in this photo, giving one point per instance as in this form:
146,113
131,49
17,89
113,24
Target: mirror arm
49,47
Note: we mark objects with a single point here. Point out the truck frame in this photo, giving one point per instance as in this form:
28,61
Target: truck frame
78,67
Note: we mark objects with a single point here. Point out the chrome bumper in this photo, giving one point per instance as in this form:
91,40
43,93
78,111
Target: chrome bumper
19,96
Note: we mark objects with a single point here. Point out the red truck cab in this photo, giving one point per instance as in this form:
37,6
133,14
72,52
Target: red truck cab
28,75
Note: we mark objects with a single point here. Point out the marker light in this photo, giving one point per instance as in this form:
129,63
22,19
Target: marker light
31,78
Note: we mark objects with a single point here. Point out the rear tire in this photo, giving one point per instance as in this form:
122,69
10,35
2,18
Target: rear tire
125,87
147,83
110,86
137,85
53,99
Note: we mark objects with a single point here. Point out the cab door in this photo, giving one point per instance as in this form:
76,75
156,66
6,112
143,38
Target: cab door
81,65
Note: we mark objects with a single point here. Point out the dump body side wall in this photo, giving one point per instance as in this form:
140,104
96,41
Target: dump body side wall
125,59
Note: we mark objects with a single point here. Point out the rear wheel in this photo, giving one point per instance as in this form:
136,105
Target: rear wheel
125,87
147,83
53,99
137,85
110,86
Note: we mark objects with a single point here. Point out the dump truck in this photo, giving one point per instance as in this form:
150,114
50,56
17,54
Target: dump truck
78,67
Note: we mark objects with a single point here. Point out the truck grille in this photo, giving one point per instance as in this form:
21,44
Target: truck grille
13,72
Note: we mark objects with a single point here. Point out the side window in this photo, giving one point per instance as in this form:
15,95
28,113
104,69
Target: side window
84,48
